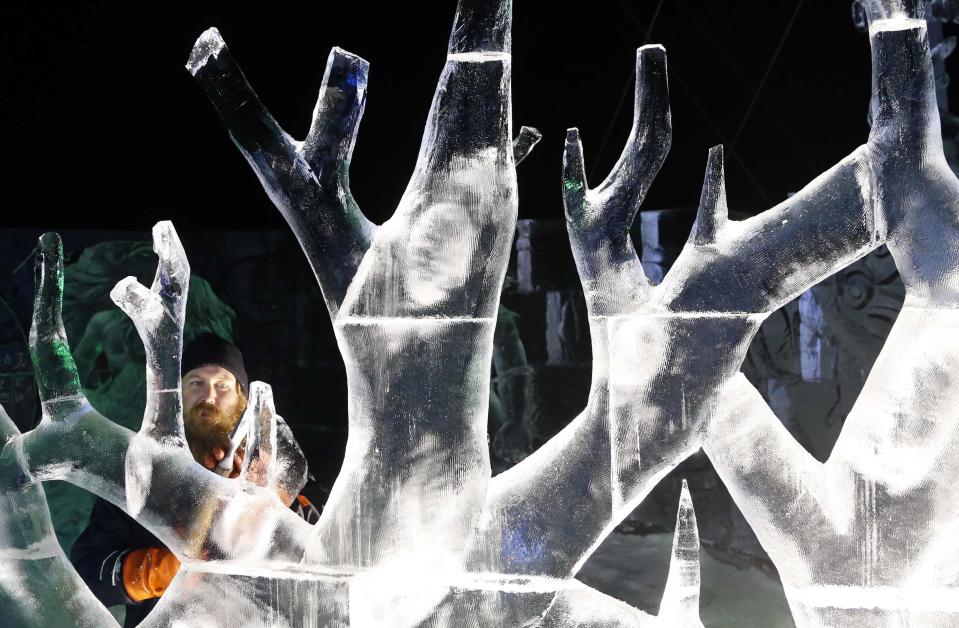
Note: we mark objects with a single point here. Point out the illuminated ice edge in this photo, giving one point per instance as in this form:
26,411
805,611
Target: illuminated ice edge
411,320
884,598
484,581
895,24
479,57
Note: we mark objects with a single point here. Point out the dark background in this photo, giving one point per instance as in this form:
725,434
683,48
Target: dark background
102,127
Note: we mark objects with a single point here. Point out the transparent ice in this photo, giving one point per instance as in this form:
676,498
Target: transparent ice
869,537
416,532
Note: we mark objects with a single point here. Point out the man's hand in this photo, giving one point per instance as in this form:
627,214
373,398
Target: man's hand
148,572
212,459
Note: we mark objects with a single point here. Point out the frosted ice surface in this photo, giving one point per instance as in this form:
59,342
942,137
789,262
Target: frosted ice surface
869,536
416,532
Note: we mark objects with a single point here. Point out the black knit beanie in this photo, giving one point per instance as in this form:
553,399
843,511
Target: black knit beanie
208,349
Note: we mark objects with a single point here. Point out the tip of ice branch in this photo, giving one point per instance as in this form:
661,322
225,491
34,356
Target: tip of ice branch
343,57
48,270
652,120
686,538
651,83
573,160
347,69
173,272
261,406
121,289
50,243
523,144
209,44
263,395
651,53
347,72
336,117
136,300
166,242
574,178
681,596
685,499
712,211
530,132
54,369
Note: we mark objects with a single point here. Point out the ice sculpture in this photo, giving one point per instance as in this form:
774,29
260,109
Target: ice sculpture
415,531
869,537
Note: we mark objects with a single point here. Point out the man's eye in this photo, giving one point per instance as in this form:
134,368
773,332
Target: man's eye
222,386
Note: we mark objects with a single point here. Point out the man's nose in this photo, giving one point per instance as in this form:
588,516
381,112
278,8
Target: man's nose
209,394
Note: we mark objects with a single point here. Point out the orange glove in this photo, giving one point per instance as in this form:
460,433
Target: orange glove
148,572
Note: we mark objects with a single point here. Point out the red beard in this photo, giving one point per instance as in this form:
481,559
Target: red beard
207,427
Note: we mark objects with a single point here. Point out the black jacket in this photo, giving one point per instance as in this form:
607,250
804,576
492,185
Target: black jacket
111,534
99,552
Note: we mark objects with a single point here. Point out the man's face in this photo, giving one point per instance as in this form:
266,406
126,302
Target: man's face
207,389
212,405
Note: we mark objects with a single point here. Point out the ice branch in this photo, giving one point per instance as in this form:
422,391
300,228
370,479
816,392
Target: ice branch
30,552
653,388
308,184
575,186
913,180
681,596
648,143
57,379
599,220
759,264
158,314
469,125
770,475
328,147
524,142
713,211
259,462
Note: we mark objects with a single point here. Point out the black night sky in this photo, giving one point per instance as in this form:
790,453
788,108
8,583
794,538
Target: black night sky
102,127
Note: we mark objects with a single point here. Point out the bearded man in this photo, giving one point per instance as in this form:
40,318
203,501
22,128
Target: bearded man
119,559
214,388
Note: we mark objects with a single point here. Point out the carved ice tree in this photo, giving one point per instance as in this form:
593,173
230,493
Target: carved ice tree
416,531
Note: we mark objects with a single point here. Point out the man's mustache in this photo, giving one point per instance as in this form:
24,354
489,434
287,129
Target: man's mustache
218,419
204,433
204,405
